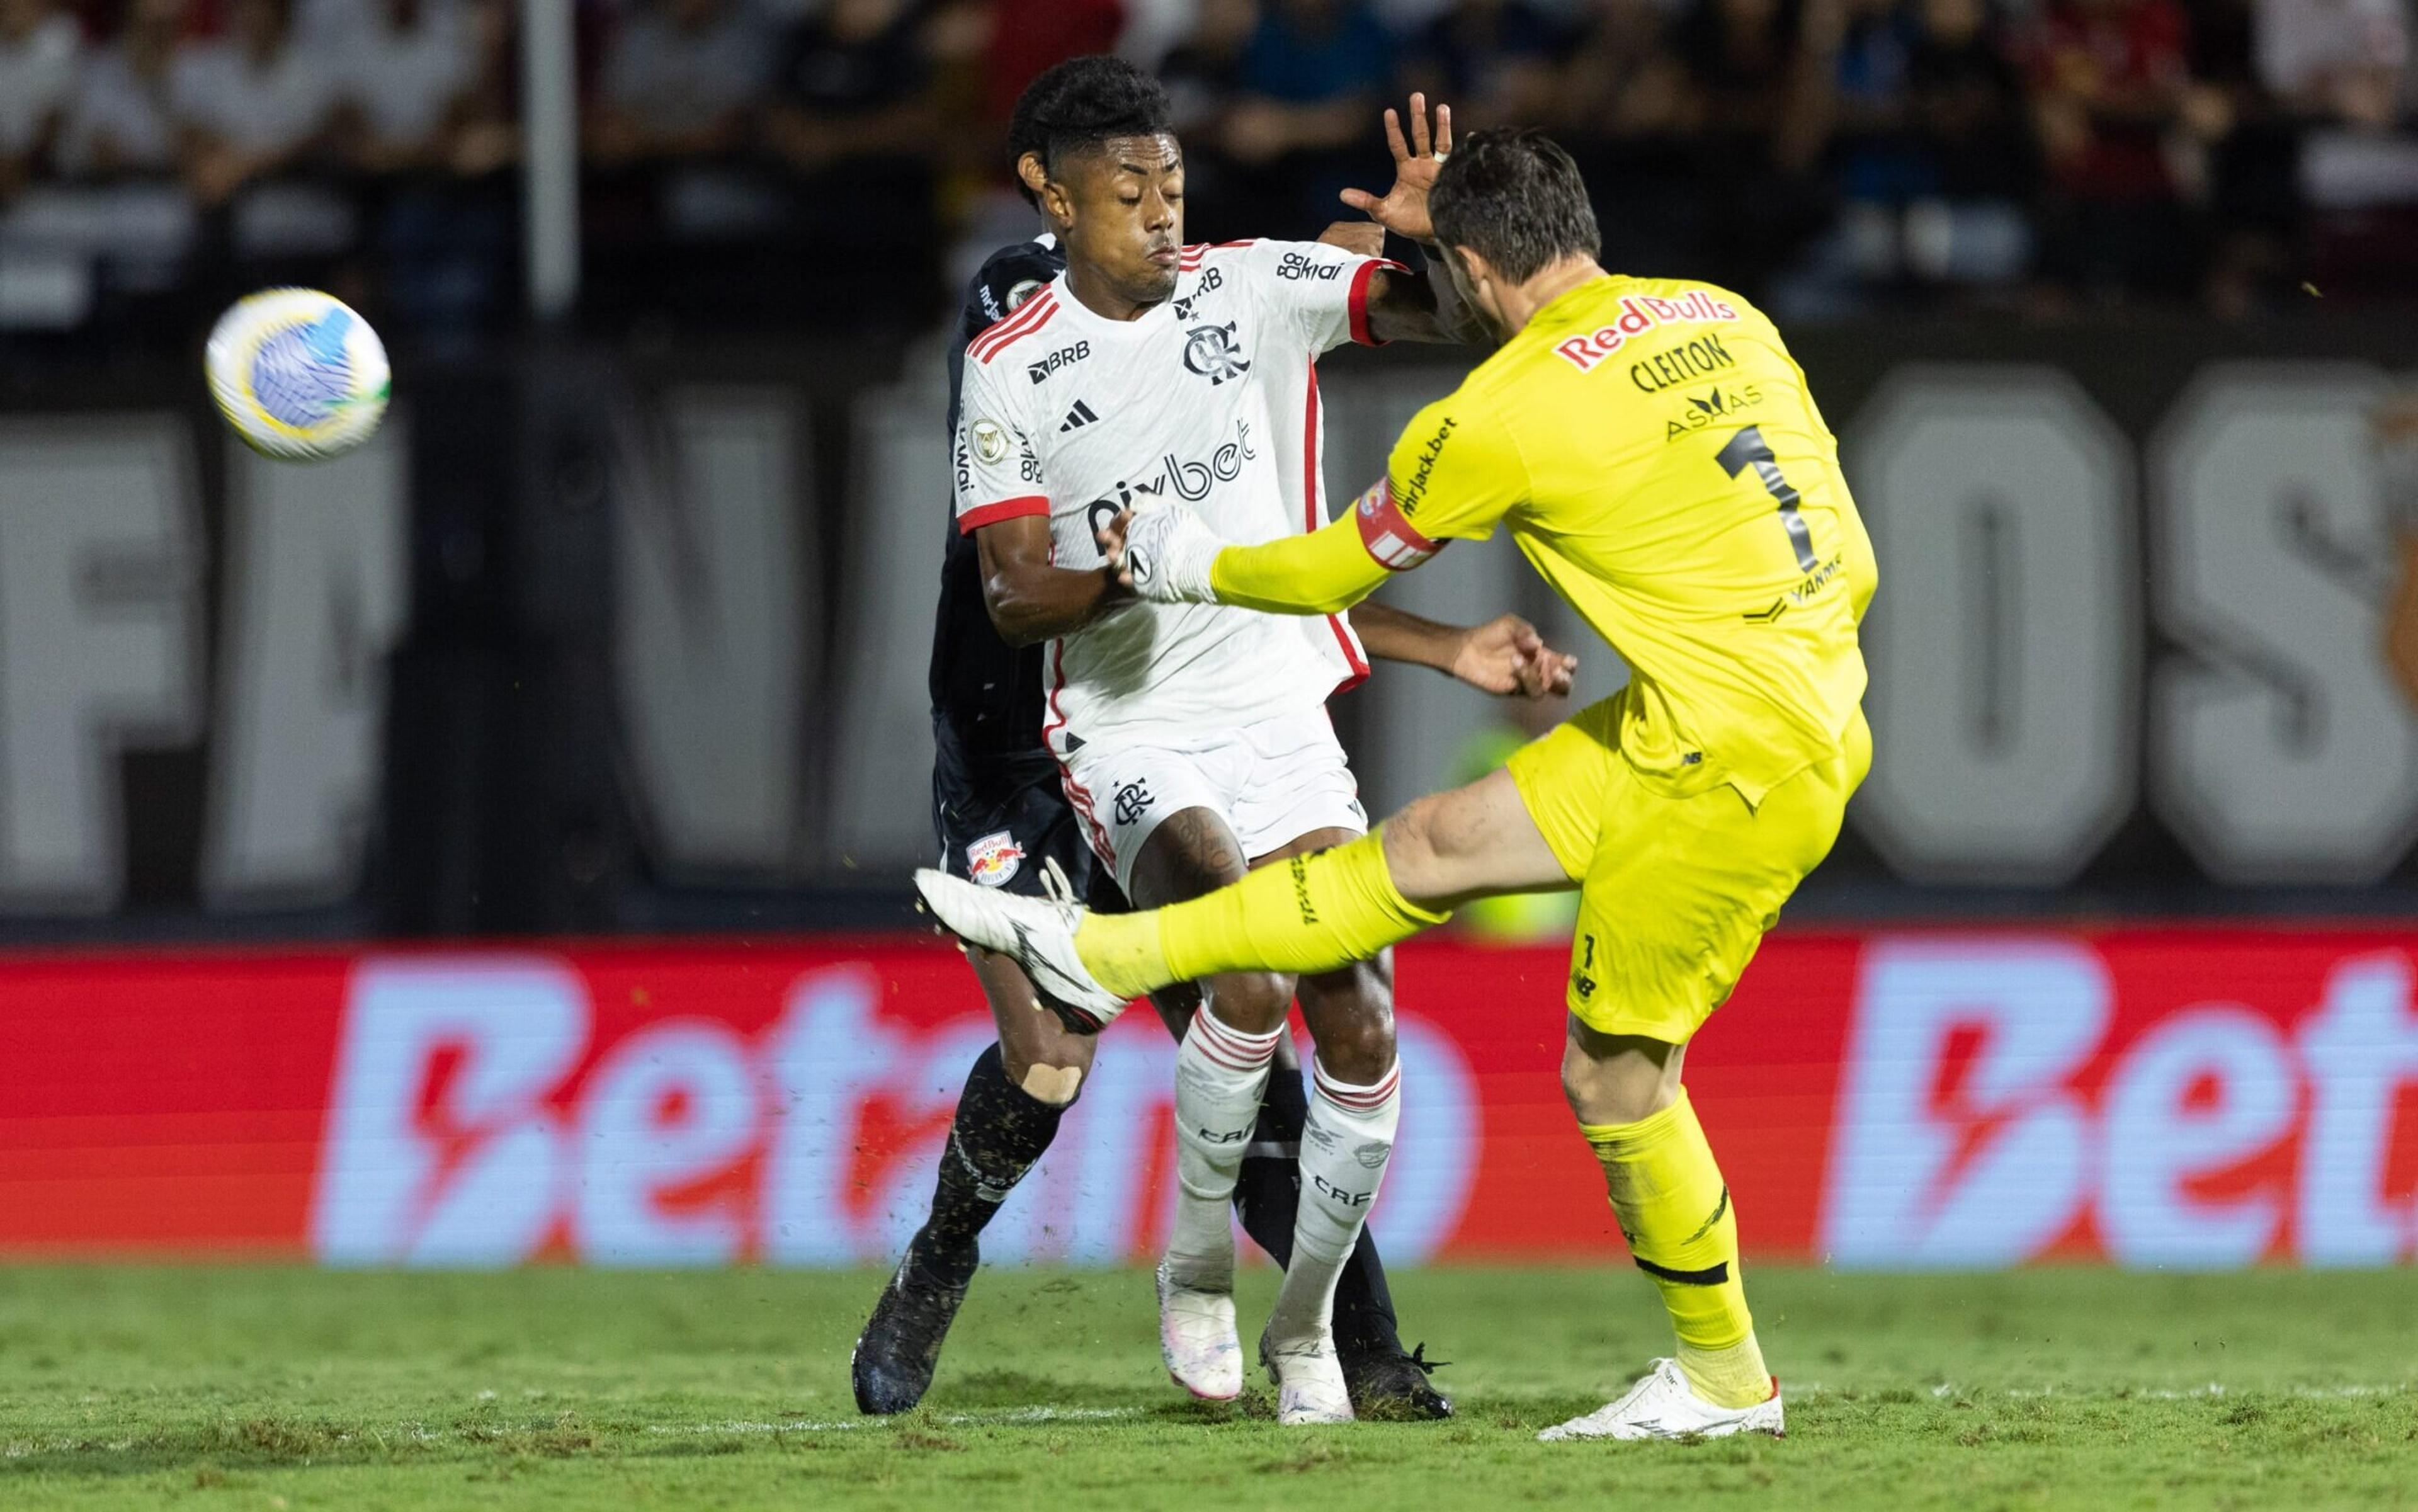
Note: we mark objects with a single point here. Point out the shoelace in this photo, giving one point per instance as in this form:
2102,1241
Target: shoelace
1418,1356
1061,894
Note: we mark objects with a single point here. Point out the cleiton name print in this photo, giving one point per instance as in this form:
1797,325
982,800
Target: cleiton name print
1688,360
1639,314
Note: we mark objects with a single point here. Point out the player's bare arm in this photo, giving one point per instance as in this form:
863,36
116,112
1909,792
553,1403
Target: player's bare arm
1410,306
1030,599
1506,655
1364,238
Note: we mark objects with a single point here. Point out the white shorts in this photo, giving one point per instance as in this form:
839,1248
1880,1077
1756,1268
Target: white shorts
1272,783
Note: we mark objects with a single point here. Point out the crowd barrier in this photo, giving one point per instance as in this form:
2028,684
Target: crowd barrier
2171,1097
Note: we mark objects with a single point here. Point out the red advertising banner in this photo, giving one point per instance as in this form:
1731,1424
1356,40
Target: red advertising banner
2171,1097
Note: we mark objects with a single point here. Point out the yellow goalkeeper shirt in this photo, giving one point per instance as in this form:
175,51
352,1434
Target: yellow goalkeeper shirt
1657,455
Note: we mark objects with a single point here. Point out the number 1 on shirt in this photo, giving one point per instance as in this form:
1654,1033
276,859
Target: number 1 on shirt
1748,448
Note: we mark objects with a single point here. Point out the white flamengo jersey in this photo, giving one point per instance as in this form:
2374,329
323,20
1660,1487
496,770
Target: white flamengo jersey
1207,402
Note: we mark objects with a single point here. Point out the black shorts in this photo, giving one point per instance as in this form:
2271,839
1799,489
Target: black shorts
1000,821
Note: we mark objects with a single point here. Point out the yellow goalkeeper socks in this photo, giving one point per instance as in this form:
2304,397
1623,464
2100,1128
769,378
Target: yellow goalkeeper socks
1313,913
1675,1210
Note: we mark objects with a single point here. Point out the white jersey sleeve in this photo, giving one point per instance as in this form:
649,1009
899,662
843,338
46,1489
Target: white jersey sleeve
998,470
1320,292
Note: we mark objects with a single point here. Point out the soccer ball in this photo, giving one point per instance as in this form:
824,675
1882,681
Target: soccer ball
298,374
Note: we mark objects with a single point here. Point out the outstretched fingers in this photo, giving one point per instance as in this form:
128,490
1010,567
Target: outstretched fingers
1548,675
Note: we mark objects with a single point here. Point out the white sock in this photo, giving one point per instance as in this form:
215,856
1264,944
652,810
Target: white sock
1345,1146
1220,1074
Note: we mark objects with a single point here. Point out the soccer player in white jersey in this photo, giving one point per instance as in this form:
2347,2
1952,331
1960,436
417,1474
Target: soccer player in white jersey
1193,741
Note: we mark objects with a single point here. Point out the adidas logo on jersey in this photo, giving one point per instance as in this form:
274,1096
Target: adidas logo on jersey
1077,417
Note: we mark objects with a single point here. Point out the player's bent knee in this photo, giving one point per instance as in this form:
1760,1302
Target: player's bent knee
1596,1101
1618,1078
1254,1001
1053,1085
1045,1058
1351,1015
1442,845
1358,1051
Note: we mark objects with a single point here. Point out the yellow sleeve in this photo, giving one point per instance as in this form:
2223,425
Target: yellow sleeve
1324,571
1453,475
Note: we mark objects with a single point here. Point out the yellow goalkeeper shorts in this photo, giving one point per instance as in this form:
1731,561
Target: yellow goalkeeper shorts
1675,892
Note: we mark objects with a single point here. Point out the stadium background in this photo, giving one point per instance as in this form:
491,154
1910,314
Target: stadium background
492,844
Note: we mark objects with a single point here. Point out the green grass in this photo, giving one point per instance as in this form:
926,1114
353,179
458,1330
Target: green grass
268,1388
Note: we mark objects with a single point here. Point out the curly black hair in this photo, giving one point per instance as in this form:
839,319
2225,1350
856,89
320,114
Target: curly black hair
1517,199
1079,104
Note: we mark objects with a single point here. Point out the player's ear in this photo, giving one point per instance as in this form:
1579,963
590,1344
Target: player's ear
1055,202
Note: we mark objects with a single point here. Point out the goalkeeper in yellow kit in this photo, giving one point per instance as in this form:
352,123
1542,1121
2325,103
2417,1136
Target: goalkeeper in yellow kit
1654,451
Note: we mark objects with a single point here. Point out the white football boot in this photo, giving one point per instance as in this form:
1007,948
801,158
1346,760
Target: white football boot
1664,1406
1197,1340
1309,1380
1038,934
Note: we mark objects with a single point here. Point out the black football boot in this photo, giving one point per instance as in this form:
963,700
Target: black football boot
1389,1385
892,1364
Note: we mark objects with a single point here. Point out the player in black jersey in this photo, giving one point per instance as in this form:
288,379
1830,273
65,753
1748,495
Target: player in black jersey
1003,820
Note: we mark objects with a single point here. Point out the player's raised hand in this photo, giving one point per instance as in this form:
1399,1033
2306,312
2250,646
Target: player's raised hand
1403,210
1163,552
1506,655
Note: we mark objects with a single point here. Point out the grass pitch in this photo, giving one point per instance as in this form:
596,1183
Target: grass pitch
286,1388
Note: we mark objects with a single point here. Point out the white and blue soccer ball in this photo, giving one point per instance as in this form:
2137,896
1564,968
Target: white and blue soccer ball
299,376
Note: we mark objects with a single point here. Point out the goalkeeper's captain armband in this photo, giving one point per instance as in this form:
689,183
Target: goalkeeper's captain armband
1391,539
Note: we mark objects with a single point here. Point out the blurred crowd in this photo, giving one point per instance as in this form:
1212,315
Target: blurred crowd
745,158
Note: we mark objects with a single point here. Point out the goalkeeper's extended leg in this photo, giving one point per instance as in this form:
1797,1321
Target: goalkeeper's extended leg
1312,913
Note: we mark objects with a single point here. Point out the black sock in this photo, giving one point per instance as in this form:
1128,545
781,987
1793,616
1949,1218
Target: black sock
1269,1187
1364,1305
999,1132
1267,1193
